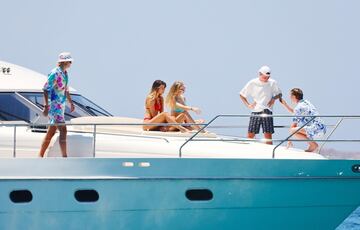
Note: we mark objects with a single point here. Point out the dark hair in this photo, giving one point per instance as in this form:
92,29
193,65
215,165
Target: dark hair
156,85
298,93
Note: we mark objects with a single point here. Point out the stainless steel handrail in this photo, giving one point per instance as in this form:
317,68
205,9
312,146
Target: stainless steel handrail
215,118
291,135
203,127
94,141
273,140
331,133
14,144
266,115
121,135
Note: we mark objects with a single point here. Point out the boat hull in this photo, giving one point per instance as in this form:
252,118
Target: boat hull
245,194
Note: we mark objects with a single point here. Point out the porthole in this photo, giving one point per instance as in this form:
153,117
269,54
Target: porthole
199,194
86,195
21,196
356,168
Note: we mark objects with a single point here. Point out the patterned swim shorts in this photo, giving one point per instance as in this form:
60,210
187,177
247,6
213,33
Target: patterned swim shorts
267,123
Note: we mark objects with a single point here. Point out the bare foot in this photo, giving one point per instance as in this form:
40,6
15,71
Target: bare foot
200,121
312,148
289,145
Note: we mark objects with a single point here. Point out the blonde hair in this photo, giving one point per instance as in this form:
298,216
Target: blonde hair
170,98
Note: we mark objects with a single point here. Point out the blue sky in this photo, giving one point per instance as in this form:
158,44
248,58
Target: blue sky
215,47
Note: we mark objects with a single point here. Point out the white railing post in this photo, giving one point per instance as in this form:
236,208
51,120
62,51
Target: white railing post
94,141
14,143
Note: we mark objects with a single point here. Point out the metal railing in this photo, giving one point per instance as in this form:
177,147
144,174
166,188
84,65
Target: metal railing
281,141
203,126
94,133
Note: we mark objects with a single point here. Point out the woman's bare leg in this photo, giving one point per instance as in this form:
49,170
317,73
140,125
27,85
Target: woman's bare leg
47,139
179,119
162,118
191,120
62,140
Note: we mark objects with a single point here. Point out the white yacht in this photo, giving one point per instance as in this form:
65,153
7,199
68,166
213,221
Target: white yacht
118,176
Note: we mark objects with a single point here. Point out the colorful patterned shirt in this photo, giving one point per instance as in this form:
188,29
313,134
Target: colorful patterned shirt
314,129
56,86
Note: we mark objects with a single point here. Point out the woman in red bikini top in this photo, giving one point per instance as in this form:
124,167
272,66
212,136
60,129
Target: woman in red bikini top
154,110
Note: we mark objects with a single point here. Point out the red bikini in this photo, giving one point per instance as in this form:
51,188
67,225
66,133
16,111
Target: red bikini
157,107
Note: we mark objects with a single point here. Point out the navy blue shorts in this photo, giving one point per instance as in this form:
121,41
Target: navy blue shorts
267,123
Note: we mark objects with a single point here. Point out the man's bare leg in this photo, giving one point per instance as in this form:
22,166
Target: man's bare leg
62,140
47,139
268,137
301,134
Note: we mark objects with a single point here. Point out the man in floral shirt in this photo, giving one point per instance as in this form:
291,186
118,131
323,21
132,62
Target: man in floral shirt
313,129
56,92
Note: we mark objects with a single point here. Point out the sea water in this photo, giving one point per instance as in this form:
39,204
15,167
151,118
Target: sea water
352,222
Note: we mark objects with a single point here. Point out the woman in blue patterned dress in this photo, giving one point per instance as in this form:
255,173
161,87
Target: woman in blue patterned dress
314,129
56,92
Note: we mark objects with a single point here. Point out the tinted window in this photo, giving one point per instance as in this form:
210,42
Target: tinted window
89,106
38,100
11,109
83,106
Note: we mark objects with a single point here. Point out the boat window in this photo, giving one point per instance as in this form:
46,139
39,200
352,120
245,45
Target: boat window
87,195
21,196
89,106
356,168
38,100
11,109
83,106
199,194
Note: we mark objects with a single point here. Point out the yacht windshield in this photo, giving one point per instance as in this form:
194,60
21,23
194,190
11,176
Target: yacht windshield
13,108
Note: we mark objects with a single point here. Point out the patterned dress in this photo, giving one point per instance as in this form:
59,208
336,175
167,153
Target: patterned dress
56,86
316,128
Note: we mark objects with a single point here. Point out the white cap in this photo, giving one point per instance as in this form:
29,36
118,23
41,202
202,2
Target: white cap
65,56
265,70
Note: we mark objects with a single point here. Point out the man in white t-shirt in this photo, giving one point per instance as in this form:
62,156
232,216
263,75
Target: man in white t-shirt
263,91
